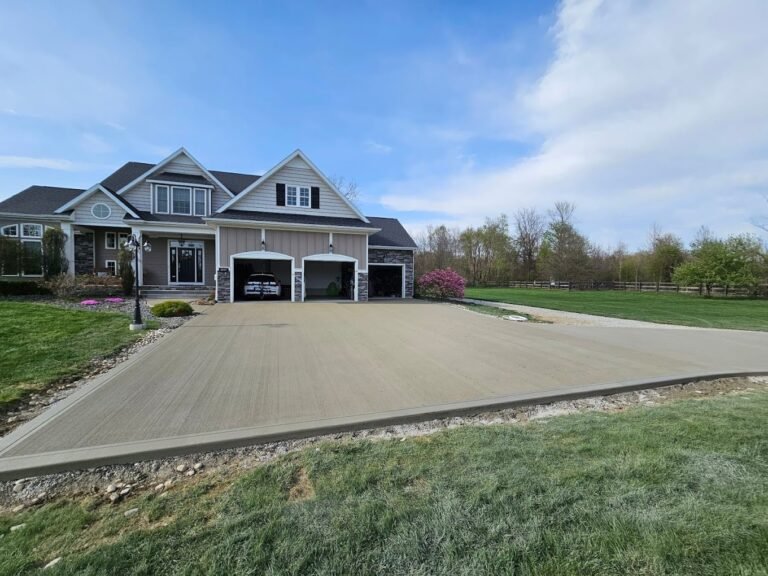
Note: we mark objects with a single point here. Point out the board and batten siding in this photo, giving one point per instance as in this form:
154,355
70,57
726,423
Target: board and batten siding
84,217
298,173
236,241
140,196
297,244
354,245
155,263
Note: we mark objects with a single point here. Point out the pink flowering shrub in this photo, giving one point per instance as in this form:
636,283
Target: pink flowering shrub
114,300
442,284
89,303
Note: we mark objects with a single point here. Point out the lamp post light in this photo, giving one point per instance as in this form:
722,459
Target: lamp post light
134,244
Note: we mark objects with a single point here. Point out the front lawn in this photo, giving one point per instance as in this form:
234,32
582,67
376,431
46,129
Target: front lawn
679,489
683,309
41,344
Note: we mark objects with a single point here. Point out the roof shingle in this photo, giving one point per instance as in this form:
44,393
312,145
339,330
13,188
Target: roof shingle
392,233
42,200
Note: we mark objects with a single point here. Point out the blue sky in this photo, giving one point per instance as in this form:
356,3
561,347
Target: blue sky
442,112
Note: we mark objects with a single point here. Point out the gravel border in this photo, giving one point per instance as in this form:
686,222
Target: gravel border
115,483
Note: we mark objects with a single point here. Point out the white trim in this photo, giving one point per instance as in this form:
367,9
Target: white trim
106,265
45,217
166,161
114,236
39,226
38,240
263,238
261,255
170,205
120,243
218,248
174,183
295,154
90,192
175,243
100,204
326,258
155,208
69,246
402,289
330,242
2,230
195,190
393,247
289,226
173,228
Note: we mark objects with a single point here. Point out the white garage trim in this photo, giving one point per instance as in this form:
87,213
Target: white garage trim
261,255
402,290
325,258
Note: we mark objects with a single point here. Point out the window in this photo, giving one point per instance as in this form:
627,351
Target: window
110,240
181,202
200,194
304,197
31,257
101,211
161,199
10,230
32,230
111,266
122,238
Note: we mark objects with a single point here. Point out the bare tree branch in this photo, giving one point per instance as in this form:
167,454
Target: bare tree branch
348,188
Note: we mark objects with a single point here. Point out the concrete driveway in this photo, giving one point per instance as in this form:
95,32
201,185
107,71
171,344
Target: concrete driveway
255,371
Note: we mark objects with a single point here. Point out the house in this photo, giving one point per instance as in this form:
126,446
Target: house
209,230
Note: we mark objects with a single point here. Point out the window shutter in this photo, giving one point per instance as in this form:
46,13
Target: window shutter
315,197
280,193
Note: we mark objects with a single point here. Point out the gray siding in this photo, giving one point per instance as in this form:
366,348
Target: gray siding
83,216
297,172
102,252
354,245
297,244
236,240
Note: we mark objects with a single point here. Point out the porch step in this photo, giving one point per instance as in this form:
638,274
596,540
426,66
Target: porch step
176,292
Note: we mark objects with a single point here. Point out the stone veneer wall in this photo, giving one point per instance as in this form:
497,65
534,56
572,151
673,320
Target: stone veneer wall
222,285
362,287
383,256
84,253
297,285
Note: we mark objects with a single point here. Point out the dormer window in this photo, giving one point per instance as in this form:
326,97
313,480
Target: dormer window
182,200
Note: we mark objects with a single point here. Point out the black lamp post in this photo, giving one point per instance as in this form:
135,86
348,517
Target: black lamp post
134,244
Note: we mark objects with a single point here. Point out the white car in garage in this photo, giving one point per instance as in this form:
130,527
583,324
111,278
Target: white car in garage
262,286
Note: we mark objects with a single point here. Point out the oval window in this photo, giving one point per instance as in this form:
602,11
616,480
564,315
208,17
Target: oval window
101,211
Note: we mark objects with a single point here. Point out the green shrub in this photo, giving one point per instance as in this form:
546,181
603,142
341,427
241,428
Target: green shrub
332,290
54,258
125,270
22,288
83,286
171,308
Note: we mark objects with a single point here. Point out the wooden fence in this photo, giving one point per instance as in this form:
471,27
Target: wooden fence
665,287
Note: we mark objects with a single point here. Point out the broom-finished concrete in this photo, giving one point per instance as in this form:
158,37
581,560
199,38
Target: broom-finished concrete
246,372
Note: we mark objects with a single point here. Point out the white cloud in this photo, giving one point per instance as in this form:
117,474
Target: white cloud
377,147
650,111
33,162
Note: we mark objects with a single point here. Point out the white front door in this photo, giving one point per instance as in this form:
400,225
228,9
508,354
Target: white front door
185,262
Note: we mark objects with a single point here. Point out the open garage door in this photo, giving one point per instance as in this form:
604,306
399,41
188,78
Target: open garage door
247,264
386,281
330,276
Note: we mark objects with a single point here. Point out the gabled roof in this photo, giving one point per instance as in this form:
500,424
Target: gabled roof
295,154
163,163
235,181
291,218
90,192
392,234
124,175
39,200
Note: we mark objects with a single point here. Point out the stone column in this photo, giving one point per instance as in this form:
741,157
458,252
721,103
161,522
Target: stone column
298,283
362,287
69,246
222,285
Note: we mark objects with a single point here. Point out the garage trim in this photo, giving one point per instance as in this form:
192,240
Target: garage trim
402,288
326,258
261,255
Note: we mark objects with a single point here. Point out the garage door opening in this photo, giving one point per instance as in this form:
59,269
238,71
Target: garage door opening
329,280
244,268
385,281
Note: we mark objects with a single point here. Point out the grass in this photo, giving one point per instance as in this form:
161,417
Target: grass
683,309
680,488
41,344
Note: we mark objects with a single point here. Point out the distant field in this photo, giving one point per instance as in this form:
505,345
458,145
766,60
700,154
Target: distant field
682,309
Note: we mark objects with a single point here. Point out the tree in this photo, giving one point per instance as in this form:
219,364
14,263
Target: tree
438,247
348,188
529,232
665,254
487,251
566,252
737,262
125,270
54,257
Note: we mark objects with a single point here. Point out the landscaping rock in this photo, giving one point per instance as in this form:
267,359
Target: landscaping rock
18,488
189,473
52,563
17,509
198,466
131,512
114,497
111,488
168,483
17,527
181,467
159,487
124,491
